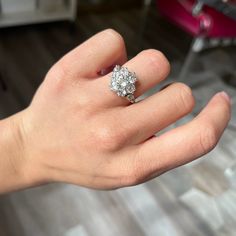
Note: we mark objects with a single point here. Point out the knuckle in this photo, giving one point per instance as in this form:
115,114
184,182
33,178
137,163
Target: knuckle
120,43
135,173
157,59
56,79
133,177
156,62
208,138
185,97
109,138
153,55
61,68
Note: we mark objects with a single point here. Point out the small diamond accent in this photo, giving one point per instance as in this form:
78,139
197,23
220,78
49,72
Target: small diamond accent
131,98
130,88
123,82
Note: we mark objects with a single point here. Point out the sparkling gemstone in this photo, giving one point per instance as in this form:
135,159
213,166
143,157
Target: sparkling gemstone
130,97
132,79
130,88
123,81
125,71
119,93
117,68
115,87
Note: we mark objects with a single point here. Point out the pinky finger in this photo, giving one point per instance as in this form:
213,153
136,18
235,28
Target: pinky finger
180,145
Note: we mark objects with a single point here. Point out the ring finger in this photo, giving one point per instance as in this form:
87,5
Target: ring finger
150,67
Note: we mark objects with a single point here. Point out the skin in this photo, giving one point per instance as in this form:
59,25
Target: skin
78,131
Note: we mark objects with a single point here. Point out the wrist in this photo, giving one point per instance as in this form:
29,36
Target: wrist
16,170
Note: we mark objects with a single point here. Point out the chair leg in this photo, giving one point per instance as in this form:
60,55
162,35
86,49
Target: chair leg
143,22
196,47
230,78
3,84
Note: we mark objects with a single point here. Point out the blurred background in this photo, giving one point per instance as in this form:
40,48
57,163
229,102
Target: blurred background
199,38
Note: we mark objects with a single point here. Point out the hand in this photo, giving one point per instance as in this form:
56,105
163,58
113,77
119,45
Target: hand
78,131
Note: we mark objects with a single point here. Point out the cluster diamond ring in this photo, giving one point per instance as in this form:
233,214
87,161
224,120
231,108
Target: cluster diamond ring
123,82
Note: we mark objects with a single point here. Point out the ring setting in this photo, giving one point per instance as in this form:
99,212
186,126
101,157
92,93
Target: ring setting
123,82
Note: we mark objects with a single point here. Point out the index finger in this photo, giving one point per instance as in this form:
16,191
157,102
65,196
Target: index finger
97,53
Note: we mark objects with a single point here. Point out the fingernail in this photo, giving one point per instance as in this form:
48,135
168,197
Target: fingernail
225,96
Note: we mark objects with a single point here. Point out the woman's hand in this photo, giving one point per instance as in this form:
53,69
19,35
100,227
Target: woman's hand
78,131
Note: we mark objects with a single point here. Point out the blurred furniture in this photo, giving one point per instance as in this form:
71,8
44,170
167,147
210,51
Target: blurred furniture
21,12
208,26
227,7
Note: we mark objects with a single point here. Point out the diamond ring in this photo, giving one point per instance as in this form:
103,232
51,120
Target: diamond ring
123,82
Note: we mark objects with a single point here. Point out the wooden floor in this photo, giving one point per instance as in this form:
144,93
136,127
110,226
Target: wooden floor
195,200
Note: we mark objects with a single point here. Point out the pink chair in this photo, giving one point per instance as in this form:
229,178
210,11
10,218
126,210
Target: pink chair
208,26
